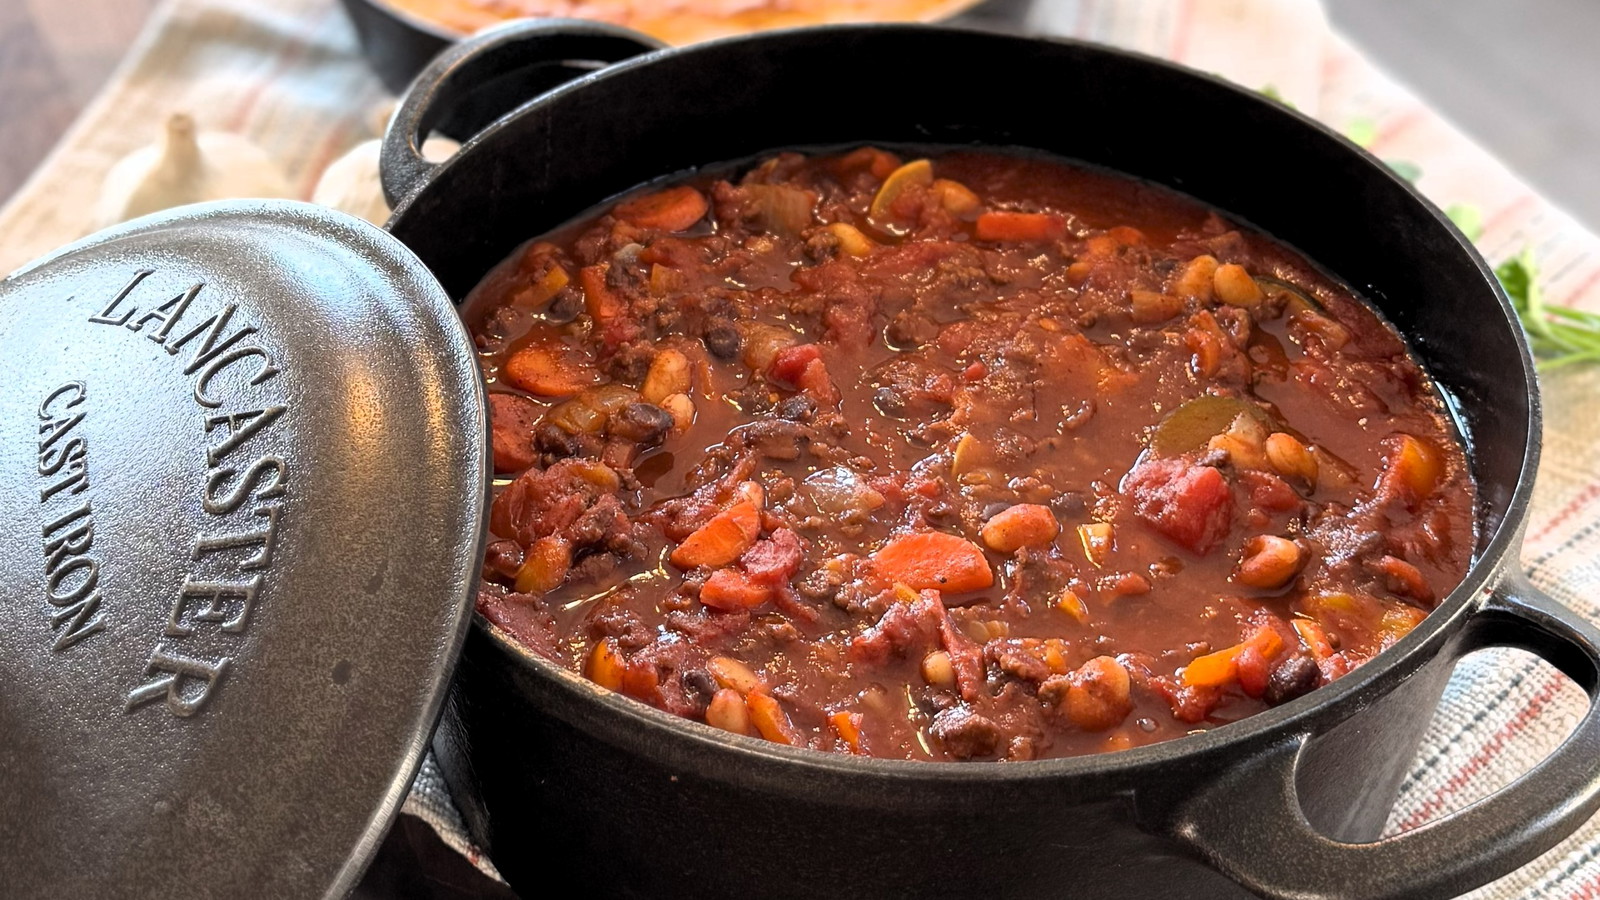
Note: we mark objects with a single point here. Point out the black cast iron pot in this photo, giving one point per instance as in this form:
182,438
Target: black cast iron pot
560,779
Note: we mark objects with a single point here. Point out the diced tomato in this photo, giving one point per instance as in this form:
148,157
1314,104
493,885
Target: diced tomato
849,323
816,384
791,363
1188,503
774,560
511,421
1253,670
732,589
1125,584
1268,491
901,628
956,337
1189,703
641,682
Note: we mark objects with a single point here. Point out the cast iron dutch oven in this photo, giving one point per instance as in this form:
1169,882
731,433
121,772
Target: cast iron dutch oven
560,779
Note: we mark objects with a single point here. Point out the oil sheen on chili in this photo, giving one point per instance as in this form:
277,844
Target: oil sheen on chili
974,456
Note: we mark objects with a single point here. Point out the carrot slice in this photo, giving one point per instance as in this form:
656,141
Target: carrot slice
1314,638
606,666
732,589
550,368
933,560
1222,667
545,567
1267,641
598,299
1213,669
1413,468
848,727
674,209
1019,226
770,719
722,540
539,293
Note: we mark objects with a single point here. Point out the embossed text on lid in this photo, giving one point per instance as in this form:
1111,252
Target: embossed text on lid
242,462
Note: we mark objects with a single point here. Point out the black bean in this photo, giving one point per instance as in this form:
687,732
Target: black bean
723,341
942,512
1070,504
698,688
565,307
642,423
798,408
890,402
1294,677
778,439
990,510
554,440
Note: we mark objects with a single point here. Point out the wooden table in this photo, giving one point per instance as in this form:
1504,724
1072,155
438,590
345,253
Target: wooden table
54,55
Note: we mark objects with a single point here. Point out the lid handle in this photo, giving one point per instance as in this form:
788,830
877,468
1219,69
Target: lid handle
484,78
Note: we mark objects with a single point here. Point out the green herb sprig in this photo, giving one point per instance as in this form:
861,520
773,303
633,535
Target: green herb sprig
1559,336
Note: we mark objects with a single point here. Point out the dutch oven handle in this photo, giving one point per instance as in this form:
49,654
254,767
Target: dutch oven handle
477,81
1249,823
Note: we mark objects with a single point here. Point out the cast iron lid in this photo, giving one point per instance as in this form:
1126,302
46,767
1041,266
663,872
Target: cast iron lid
243,466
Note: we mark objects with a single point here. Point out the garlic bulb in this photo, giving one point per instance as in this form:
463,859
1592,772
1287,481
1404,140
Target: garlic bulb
187,166
352,184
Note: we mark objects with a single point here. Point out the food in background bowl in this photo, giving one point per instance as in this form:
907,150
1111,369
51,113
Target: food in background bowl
970,456
681,21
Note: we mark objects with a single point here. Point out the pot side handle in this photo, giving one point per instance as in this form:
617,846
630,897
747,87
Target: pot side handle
474,83
1275,852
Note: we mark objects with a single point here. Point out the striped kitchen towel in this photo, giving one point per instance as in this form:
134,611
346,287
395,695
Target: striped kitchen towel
288,75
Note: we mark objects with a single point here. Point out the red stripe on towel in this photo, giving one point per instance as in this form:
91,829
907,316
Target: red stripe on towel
290,52
1489,752
1584,497
1396,126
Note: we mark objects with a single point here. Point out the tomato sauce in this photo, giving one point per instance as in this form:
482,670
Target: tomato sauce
964,456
